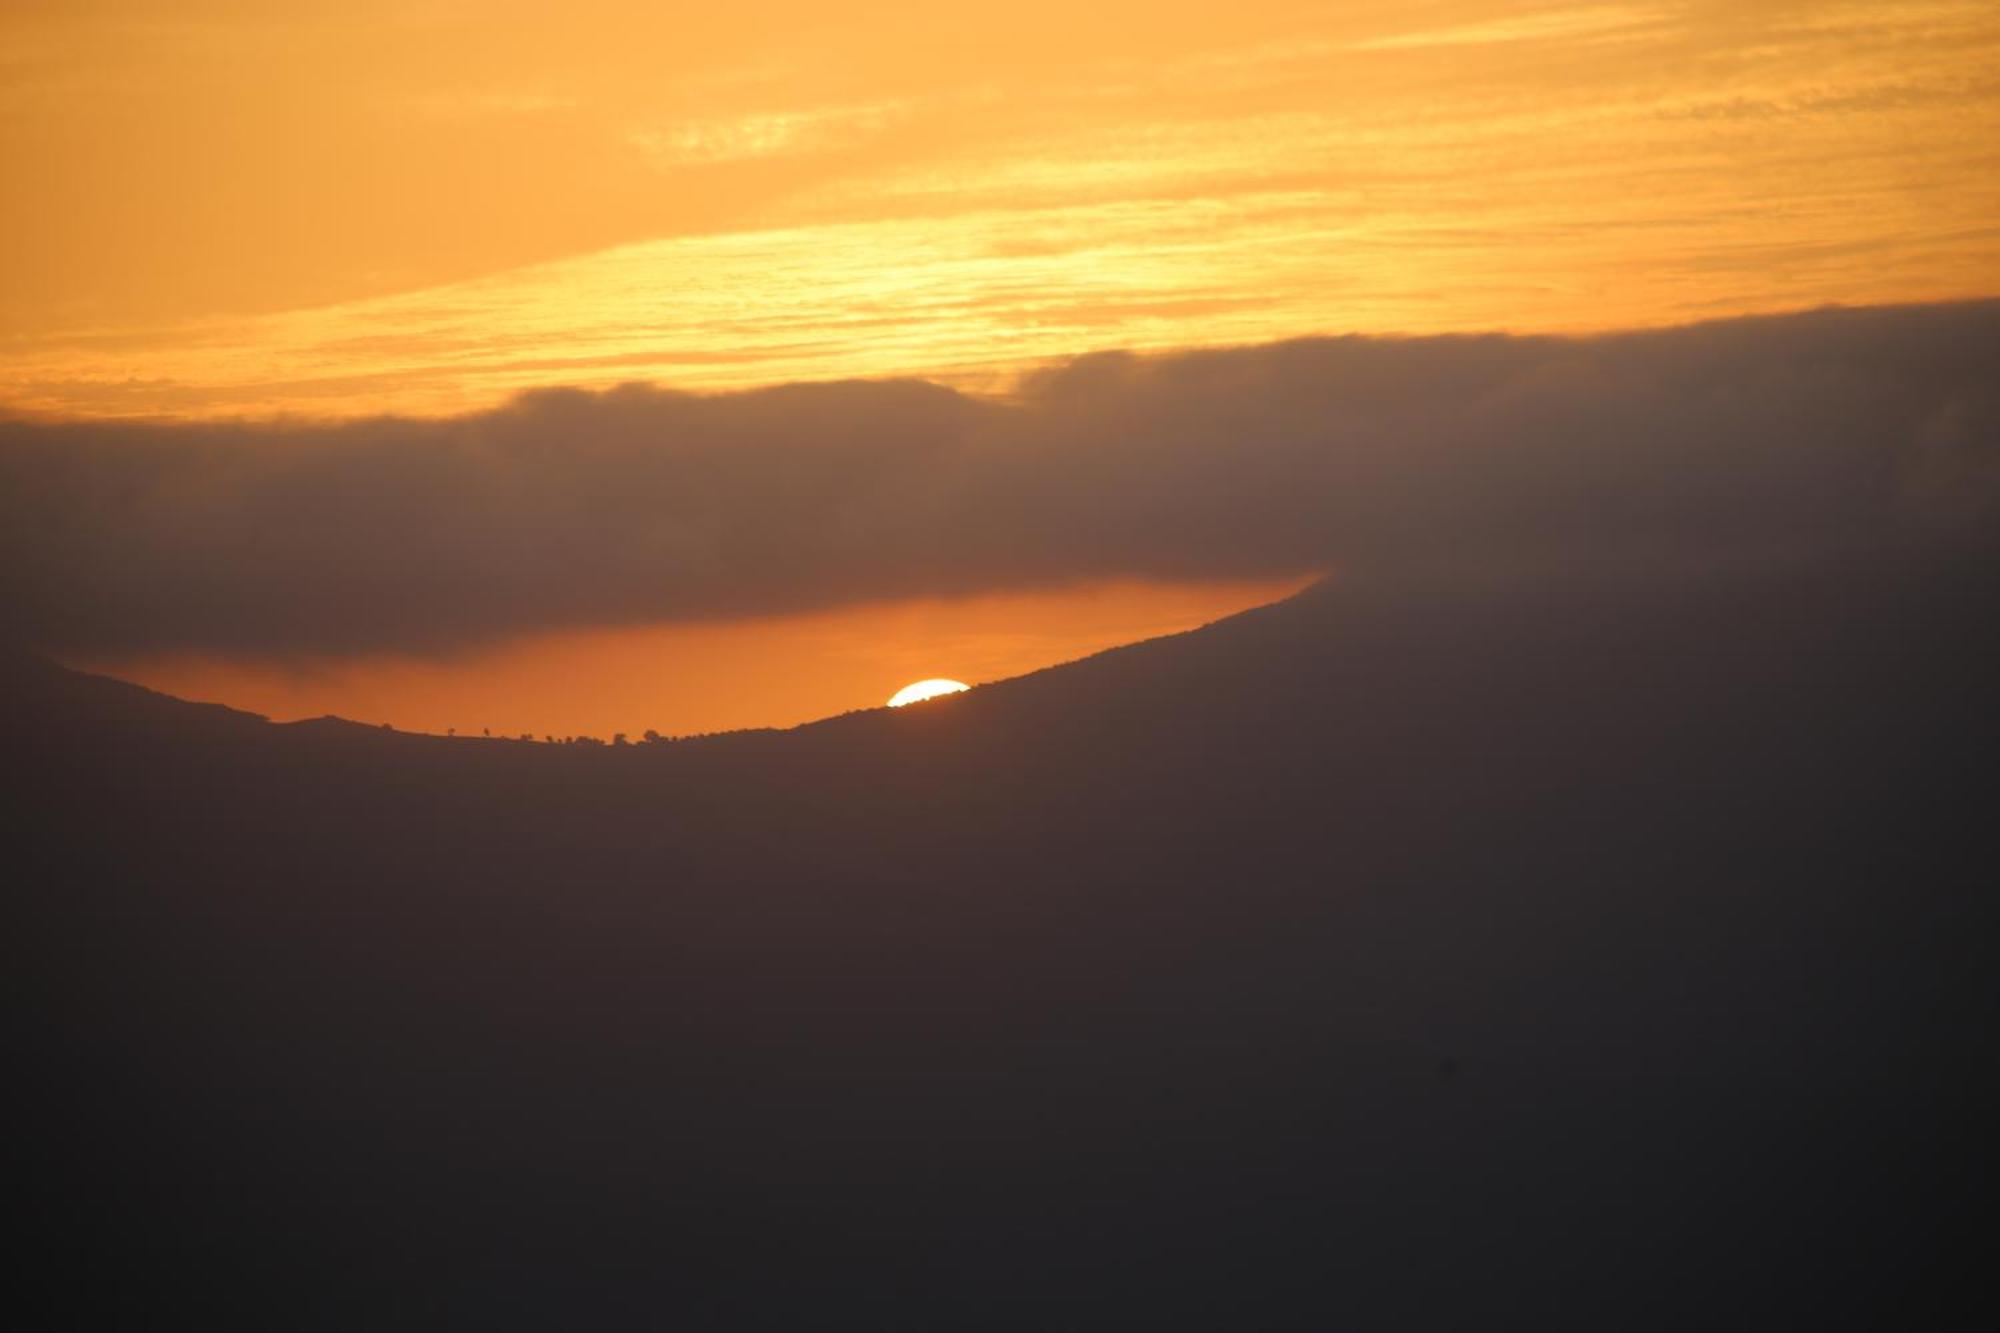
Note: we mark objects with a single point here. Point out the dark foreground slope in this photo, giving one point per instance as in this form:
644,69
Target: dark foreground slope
1605,953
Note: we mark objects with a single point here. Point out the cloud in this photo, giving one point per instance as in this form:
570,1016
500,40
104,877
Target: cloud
1835,434
1551,25
765,134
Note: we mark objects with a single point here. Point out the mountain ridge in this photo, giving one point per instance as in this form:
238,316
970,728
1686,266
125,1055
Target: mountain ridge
1604,948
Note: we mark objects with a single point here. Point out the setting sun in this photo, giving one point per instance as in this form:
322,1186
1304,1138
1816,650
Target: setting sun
926,689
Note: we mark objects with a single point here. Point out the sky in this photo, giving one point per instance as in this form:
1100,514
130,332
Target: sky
1083,318
691,678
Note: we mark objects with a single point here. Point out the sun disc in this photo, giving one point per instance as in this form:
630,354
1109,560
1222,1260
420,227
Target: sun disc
926,689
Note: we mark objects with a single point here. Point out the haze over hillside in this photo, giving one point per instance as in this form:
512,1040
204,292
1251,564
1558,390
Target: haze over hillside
1598,949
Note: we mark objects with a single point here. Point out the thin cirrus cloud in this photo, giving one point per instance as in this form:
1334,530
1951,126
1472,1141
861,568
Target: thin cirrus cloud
1550,24
1835,434
354,209
758,135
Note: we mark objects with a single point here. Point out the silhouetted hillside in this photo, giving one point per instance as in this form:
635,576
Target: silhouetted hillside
1605,951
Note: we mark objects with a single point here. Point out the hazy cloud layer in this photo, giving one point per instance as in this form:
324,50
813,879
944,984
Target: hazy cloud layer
1797,438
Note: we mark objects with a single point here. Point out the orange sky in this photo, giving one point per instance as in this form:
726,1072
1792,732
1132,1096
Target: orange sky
684,679
252,207
242,206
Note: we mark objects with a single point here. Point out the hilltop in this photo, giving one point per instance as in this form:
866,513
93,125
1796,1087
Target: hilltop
1590,949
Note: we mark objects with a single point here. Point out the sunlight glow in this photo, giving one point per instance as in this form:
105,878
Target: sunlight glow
926,689
687,679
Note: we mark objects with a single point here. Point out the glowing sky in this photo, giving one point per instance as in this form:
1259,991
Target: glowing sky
347,209
364,209
683,679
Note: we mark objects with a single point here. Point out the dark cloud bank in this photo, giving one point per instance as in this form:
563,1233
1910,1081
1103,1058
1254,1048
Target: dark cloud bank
1867,434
